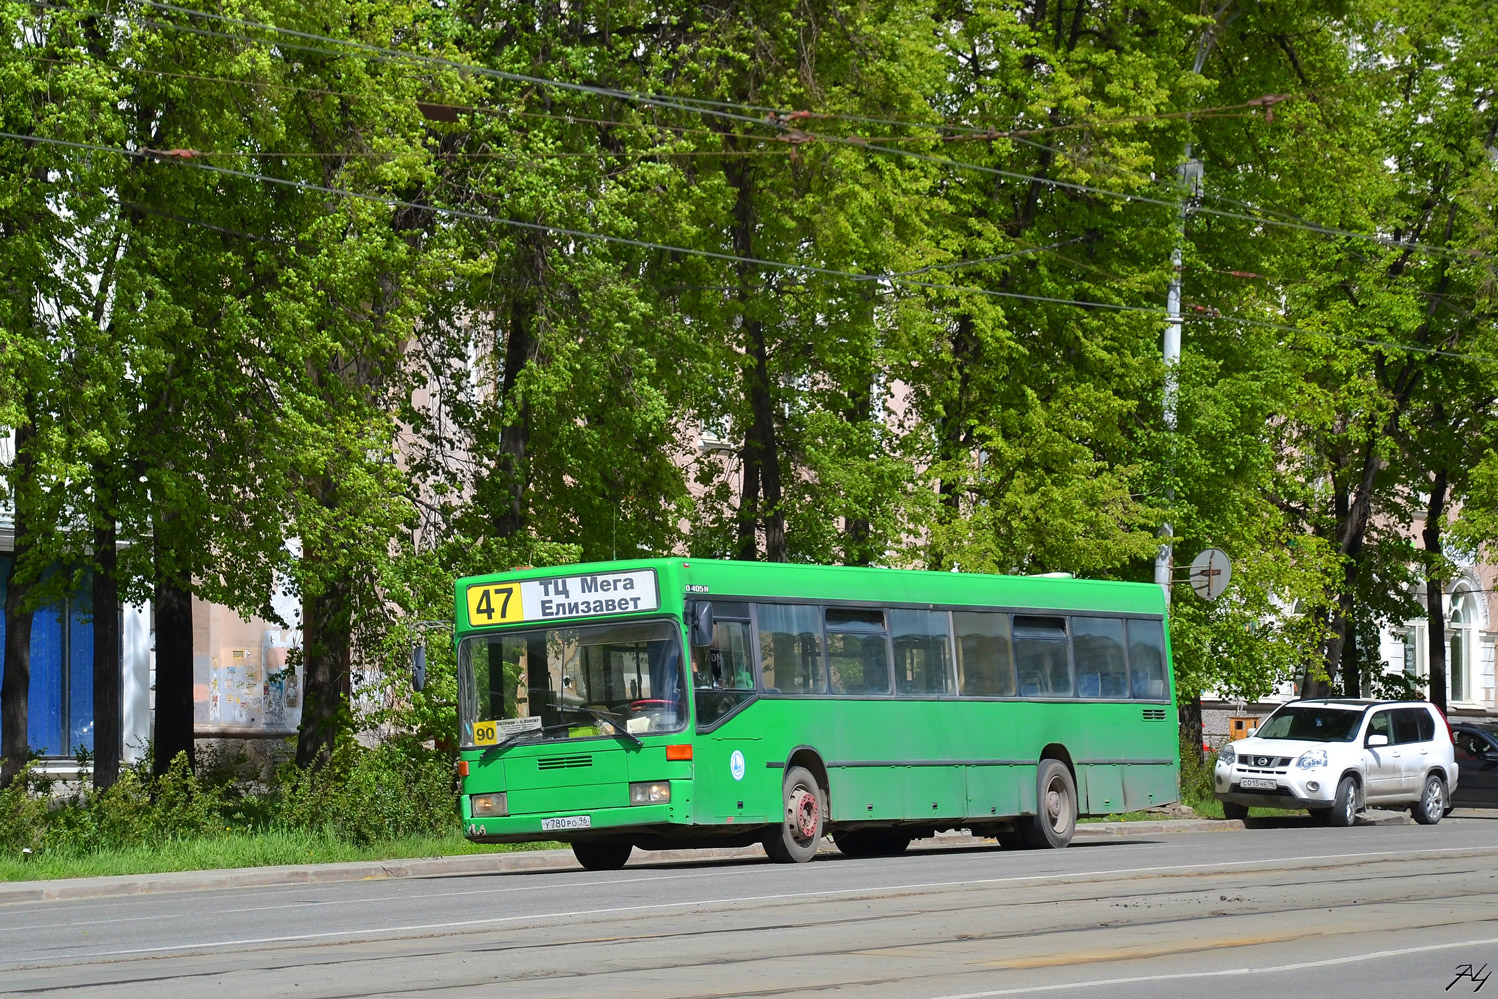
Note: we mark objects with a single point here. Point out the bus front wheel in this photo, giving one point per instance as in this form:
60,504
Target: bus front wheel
1055,818
796,838
602,854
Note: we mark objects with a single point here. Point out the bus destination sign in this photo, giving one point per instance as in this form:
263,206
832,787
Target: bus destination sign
563,596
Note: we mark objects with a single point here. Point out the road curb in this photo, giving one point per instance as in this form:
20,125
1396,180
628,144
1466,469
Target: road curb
490,863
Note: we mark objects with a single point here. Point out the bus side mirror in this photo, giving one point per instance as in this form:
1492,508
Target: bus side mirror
702,623
419,667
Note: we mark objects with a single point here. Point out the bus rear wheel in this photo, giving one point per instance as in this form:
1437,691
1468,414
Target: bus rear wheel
796,838
1055,818
603,854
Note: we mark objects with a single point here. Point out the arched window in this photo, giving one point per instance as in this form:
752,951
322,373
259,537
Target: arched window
1460,660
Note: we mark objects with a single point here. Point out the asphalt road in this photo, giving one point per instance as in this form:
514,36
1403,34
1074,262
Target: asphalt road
1287,910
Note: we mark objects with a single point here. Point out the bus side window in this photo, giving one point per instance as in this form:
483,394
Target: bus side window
1147,660
790,648
985,664
923,652
857,651
722,675
1042,655
1098,644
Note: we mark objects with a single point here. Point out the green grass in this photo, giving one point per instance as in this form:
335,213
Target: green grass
266,849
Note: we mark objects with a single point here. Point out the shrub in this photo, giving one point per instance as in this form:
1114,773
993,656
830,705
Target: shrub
365,795
1196,776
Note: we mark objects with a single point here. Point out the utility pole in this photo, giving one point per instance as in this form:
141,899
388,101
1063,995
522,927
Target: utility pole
1190,175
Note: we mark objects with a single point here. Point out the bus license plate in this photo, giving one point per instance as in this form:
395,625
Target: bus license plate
1257,784
567,822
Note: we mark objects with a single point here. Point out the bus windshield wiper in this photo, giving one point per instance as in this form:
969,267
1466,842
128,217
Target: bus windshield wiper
614,721
514,736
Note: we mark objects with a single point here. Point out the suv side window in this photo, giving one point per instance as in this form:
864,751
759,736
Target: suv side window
1380,725
1427,724
1407,724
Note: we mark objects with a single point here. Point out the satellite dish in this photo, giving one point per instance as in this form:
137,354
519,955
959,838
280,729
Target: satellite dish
1211,571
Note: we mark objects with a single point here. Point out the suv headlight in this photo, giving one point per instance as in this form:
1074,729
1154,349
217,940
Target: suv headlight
1226,756
1311,759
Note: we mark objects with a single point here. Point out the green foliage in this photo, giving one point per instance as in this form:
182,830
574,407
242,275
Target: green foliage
364,795
1197,781
394,791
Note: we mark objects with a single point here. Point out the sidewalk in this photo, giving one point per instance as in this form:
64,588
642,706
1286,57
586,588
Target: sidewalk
495,863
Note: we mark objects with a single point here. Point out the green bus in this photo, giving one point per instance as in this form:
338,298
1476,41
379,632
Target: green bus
671,703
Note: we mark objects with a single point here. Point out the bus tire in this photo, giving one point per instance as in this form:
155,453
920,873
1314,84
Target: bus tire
602,854
1055,819
796,838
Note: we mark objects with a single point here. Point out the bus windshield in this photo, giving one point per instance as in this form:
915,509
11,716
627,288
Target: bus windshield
571,682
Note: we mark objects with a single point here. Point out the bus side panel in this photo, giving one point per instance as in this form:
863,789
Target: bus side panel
1145,786
938,792
994,791
1104,789
863,793
753,796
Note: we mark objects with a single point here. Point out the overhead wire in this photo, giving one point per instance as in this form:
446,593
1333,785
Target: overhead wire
1202,315
720,109
184,162
764,263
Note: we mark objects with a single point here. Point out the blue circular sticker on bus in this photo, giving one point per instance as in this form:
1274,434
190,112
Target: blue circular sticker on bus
736,765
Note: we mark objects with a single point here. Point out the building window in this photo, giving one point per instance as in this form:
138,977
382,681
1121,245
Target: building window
60,708
1461,661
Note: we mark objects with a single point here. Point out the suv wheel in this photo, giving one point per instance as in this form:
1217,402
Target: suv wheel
1345,805
1432,804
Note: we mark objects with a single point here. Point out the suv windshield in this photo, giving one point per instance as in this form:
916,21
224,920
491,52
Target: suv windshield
571,683
1311,724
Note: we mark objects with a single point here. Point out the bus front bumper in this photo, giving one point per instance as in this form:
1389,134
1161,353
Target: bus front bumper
567,827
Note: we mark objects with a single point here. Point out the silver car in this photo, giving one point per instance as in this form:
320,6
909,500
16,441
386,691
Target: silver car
1333,757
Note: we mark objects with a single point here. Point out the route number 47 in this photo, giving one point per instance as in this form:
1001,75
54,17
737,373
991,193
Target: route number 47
494,604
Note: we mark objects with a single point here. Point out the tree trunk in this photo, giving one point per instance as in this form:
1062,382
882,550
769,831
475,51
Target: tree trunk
108,703
15,690
1189,715
173,732
521,350
327,623
953,436
759,503
764,447
1435,610
1352,673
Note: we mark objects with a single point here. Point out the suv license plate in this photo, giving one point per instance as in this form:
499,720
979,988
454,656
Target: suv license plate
1257,784
567,822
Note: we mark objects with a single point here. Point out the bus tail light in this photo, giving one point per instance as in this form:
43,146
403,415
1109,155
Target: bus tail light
650,793
481,805
679,752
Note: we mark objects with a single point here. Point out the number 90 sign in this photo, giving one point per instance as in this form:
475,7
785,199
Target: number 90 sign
485,733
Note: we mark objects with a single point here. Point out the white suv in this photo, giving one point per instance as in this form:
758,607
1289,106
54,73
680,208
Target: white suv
1335,756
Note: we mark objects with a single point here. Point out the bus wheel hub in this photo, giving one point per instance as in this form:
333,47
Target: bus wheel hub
803,812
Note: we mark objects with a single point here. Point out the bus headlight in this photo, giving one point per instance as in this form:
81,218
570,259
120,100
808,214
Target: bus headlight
656,792
487,805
